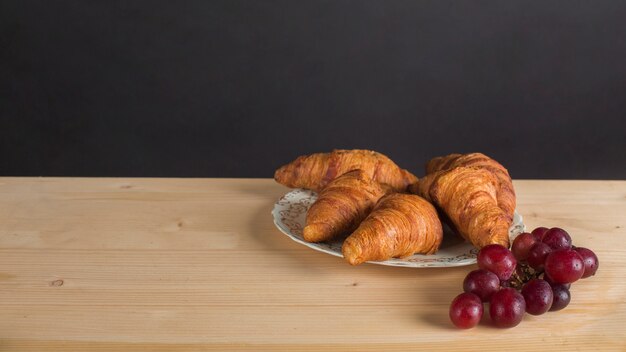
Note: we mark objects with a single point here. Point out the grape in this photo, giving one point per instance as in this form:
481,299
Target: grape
521,245
507,308
590,260
466,310
538,296
498,260
482,283
547,279
557,239
537,255
539,232
564,266
561,297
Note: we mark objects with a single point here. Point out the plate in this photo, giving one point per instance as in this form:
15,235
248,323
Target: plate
290,214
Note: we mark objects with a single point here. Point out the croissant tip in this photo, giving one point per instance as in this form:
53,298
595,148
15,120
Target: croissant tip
354,261
351,254
313,233
278,177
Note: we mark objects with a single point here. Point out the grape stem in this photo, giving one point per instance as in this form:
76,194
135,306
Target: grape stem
521,276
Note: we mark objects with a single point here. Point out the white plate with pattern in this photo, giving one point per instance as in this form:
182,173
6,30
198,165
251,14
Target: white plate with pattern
290,214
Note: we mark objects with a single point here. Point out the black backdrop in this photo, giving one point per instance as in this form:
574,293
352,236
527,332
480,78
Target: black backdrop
236,88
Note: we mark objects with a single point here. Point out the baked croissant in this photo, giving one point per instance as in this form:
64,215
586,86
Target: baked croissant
398,226
505,193
315,171
341,206
467,195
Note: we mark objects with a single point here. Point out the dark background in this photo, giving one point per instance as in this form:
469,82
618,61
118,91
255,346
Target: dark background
237,88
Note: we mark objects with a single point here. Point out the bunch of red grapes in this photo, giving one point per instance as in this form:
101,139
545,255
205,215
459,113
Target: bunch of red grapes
533,277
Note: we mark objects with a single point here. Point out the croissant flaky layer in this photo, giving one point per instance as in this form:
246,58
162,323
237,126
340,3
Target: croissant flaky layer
467,195
505,194
398,226
315,171
341,206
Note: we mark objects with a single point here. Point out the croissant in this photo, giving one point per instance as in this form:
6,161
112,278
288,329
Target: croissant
398,226
315,171
341,206
467,195
505,194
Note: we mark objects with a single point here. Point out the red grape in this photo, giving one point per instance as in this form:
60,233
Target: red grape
561,297
590,259
482,283
557,239
498,260
521,245
466,310
564,266
537,255
507,308
556,265
538,296
539,232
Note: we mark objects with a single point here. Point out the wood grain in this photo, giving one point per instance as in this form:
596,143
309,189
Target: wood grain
196,264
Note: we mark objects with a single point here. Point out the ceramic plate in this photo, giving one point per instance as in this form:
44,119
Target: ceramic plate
290,214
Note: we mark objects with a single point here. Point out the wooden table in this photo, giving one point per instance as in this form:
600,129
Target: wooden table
197,264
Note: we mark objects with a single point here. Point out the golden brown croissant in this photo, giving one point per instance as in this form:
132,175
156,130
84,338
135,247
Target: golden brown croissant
316,170
341,206
467,195
505,193
399,226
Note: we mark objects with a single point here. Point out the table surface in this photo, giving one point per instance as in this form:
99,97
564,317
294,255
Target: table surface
196,264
